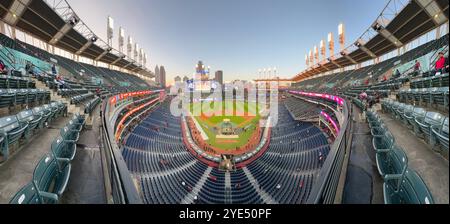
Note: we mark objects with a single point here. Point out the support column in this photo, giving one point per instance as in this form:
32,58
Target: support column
13,33
2,27
438,32
446,26
47,47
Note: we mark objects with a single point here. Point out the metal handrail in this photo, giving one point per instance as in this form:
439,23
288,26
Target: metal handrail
325,188
122,188
119,185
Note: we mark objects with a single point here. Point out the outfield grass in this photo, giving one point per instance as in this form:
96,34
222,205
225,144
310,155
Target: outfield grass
208,123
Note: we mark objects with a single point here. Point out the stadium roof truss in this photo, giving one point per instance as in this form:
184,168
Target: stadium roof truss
55,22
400,22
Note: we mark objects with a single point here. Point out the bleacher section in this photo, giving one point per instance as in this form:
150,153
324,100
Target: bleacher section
374,72
302,110
431,126
170,174
77,71
15,130
32,103
401,184
51,175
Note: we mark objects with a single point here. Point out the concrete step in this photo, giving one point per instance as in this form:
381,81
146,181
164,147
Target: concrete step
72,109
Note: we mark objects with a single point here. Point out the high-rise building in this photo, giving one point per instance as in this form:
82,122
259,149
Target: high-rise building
202,72
157,77
162,75
219,77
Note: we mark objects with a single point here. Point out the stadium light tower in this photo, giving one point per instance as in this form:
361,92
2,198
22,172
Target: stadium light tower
136,53
110,30
306,61
311,58
130,46
141,53
145,60
341,31
331,44
323,50
316,54
121,39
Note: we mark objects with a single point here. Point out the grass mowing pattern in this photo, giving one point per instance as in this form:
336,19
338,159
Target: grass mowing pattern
250,117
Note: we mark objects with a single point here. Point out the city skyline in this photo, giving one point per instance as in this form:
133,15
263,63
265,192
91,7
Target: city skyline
237,37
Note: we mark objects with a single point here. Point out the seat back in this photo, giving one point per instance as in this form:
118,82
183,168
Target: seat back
416,190
38,111
399,160
385,142
26,195
47,108
395,105
401,107
58,146
433,118
8,124
444,129
68,134
54,106
25,116
408,109
419,112
45,173
389,139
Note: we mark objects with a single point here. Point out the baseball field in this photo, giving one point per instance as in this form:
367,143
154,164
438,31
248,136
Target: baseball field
242,116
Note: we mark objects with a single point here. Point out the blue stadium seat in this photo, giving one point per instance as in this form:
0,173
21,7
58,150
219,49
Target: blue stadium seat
50,178
53,112
45,114
392,166
408,109
423,124
379,131
33,121
79,120
412,115
12,130
384,143
64,147
27,195
7,99
91,105
412,190
439,135
75,126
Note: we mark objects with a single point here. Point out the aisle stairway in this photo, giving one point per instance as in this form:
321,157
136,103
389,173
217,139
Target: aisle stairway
191,197
72,109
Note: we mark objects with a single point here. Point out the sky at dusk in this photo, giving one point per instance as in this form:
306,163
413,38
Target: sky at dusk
236,36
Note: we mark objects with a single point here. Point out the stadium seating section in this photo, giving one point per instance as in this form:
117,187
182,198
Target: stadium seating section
17,129
401,184
170,174
52,173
